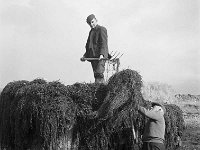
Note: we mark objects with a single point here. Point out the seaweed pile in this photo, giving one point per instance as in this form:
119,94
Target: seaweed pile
118,113
91,116
35,112
174,125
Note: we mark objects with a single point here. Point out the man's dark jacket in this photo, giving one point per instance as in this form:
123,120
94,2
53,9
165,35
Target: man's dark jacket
97,43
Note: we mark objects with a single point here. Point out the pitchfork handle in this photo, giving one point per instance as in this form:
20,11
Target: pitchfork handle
95,58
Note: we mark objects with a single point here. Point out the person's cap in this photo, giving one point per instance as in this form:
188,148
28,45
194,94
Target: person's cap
159,104
90,17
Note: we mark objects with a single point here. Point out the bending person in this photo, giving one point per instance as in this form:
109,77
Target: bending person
153,136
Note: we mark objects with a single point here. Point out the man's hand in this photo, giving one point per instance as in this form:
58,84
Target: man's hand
101,57
82,58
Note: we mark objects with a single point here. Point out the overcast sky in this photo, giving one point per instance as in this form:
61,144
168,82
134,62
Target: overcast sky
46,38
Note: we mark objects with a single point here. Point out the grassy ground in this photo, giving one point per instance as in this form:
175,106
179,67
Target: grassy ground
191,136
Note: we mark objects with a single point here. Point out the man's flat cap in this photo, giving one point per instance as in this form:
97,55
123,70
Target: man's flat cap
90,17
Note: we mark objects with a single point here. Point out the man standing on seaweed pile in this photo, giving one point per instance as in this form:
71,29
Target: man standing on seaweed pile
96,47
153,136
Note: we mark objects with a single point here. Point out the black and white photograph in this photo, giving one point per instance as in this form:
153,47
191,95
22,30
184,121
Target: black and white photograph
99,75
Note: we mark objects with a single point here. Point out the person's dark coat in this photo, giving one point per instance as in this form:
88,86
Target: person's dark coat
97,43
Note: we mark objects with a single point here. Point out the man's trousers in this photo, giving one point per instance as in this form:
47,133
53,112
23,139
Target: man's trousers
98,67
153,146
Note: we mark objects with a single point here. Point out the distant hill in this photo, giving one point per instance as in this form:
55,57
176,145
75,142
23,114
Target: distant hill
188,97
160,92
